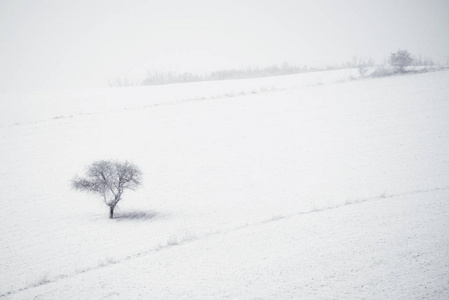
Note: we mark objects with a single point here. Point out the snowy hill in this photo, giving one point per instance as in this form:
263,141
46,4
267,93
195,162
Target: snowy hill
229,168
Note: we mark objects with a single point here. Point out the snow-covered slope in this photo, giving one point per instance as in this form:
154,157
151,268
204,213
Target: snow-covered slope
37,107
391,248
216,157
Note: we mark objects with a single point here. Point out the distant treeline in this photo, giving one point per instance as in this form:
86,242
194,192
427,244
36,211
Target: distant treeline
157,77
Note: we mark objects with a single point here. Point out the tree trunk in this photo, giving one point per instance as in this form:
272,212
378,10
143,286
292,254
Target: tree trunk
111,212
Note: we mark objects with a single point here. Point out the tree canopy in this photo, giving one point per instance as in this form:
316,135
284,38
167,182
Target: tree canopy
109,179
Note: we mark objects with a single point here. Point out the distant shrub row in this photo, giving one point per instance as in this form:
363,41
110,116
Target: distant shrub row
396,63
156,78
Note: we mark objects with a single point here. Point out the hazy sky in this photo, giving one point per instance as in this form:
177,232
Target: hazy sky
69,44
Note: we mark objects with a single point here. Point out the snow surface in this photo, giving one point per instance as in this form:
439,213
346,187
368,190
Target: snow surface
239,179
382,249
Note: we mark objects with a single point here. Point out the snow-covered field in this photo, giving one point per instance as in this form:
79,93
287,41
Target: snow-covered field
240,178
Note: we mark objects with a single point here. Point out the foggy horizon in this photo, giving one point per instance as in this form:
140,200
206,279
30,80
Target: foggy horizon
63,45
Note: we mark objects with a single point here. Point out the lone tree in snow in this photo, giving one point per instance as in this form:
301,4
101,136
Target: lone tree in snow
109,179
400,60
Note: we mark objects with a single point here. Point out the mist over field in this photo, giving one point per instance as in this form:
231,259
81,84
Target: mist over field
66,45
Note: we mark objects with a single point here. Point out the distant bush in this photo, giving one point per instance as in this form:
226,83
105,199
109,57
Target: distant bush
363,70
122,82
400,60
381,71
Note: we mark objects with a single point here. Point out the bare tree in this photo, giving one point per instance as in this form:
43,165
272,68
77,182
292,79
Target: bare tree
109,179
400,60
